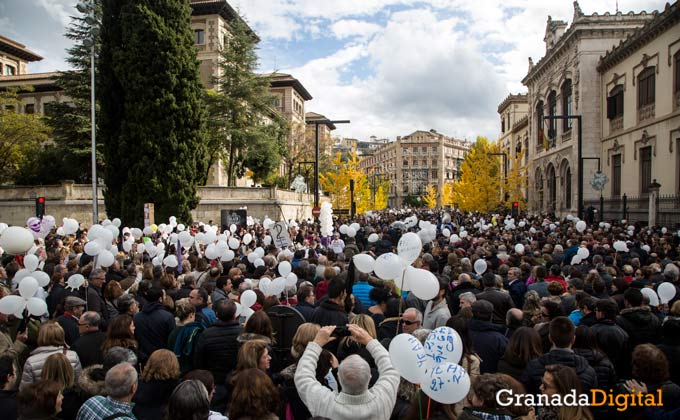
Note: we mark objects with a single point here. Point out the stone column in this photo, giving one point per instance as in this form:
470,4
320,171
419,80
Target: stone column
653,200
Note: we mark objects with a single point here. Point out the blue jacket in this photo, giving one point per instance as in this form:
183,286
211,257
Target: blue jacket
361,290
153,326
305,309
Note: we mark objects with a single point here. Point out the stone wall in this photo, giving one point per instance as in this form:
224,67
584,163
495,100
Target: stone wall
75,200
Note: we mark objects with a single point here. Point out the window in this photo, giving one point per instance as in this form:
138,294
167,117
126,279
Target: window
615,102
676,85
567,188
29,109
645,169
434,174
552,111
405,163
646,86
539,124
502,125
10,70
567,106
616,176
199,37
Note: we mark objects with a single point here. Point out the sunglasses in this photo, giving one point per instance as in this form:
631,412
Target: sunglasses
406,322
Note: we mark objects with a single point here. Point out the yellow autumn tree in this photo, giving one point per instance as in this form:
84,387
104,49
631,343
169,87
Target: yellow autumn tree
336,182
381,195
448,198
430,196
479,185
515,182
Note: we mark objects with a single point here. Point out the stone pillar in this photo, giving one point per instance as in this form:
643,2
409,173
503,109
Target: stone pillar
653,202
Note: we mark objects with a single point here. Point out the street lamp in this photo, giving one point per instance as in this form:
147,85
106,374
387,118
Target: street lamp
316,152
579,189
92,22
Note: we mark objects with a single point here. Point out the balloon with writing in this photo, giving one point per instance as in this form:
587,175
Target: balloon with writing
447,383
444,345
408,357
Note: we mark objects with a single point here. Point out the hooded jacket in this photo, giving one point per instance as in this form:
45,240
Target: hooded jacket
153,326
531,378
604,369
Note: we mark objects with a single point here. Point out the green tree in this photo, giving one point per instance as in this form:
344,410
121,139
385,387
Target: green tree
479,186
21,136
238,111
152,109
69,155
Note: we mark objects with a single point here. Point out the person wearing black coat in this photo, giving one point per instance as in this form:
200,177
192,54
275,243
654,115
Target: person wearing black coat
73,308
153,324
641,324
332,311
218,346
151,398
89,345
487,341
585,345
611,339
453,296
670,345
501,301
8,376
305,305
562,335
516,286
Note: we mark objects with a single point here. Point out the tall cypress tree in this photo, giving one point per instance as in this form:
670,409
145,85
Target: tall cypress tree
152,97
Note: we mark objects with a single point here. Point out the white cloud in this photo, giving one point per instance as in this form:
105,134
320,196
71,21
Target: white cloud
350,28
59,10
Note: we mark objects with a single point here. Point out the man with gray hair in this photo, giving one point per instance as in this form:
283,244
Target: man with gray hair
121,385
463,285
356,401
89,345
95,296
467,299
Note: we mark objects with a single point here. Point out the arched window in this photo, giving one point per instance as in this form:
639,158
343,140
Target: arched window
552,111
552,189
539,125
615,102
538,187
567,105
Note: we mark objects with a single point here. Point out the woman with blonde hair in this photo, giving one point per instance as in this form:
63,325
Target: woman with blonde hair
159,377
349,345
50,340
58,369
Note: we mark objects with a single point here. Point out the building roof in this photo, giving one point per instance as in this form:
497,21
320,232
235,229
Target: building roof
582,22
520,97
666,20
313,116
17,49
286,80
218,7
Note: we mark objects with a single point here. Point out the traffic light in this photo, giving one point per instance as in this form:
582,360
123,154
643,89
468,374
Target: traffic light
40,207
515,209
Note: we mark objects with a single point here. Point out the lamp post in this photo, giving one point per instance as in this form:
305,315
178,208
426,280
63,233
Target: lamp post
579,189
91,42
381,178
598,183
316,152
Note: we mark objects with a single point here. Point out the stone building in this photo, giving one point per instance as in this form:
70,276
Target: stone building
413,162
565,81
640,102
514,139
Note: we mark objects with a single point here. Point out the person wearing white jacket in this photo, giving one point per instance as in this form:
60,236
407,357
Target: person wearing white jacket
356,401
50,341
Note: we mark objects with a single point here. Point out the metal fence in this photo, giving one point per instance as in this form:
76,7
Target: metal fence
636,209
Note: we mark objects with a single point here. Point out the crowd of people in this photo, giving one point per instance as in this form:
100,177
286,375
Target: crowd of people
145,341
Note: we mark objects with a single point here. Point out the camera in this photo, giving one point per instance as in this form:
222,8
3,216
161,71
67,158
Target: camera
341,332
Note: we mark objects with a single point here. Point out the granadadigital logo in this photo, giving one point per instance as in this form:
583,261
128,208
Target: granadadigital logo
596,398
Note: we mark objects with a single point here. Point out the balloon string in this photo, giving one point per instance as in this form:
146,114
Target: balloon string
420,407
429,400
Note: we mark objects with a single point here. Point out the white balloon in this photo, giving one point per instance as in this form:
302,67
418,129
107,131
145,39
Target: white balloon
252,257
232,228
651,294
666,292
454,239
583,252
170,261
247,238
423,283
267,240
532,230
620,246
16,240
127,246
36,306
136,233
480,266
200,238
92,248
27,287
259,251
581,226
12,304
576,260
181,227
446,232
355,226
157,261
258,262
247,312
343,229
463,235
519,248
373,237
31,262
409,247
364,262
42,278
388,266
211,252
3,226
264,284
291,279
248,298
105,258
444,345
227,255
351,232
75,281
233,243
277,287
446,383
284,268
141,248
114,230
408,357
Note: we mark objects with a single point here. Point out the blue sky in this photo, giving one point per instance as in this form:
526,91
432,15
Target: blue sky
390,66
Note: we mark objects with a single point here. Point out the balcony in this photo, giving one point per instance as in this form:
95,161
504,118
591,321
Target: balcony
616,124
646,112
